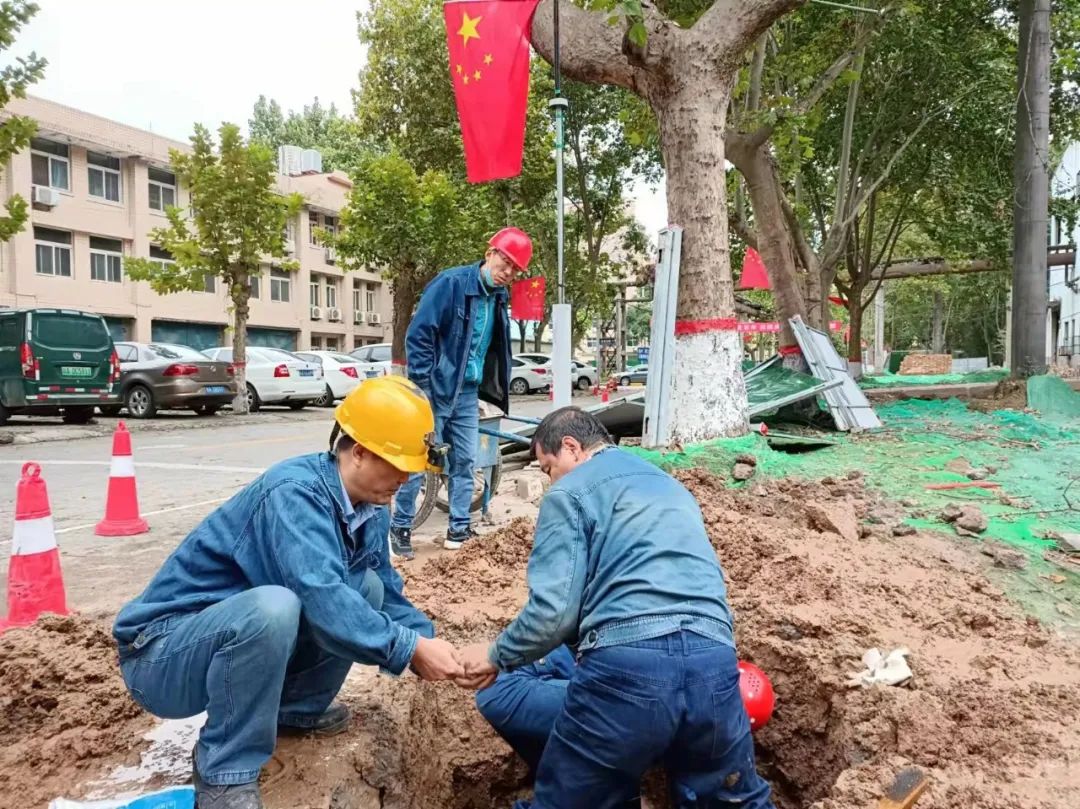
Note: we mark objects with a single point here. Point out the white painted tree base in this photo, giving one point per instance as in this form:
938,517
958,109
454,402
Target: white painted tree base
708,394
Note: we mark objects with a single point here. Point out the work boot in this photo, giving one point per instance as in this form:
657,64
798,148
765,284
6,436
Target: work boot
401,543
456,538
227,796
331,722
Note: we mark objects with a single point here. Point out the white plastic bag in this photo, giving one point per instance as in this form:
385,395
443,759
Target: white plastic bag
174,798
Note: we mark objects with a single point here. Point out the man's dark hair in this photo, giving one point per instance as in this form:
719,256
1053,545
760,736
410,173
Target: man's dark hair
344,444
570,422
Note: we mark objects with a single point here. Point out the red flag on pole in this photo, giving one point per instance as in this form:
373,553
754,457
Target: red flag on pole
527,298
753,275
488,42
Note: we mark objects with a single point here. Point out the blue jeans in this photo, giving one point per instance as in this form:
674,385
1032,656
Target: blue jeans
672,700
460,428
251,662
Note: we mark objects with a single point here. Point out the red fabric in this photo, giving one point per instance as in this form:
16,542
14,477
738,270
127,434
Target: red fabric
527,298
35,585
753,275
488,42
683,327
787,351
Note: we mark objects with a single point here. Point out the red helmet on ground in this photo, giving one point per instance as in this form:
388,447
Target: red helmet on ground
757,694
515,244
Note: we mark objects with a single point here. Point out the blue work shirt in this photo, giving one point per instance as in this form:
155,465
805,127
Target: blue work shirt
481,333
620,554
440,335
294,527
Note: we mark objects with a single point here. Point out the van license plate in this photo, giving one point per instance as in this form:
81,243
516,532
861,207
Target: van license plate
76,370
215,388
306,372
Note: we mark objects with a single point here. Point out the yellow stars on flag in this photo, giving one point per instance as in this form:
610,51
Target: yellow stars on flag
468,28
535,285
488,59
459,68
476,75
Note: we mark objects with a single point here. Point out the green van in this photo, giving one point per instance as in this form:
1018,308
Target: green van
56,360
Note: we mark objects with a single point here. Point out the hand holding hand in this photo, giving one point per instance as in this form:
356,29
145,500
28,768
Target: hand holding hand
479,673
435,659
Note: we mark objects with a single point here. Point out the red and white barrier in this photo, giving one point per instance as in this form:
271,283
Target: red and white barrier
122,504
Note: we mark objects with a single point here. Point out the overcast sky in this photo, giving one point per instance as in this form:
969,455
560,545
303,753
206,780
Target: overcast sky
164,66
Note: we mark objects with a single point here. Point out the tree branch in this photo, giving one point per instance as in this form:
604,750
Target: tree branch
743,231
729,26
802,246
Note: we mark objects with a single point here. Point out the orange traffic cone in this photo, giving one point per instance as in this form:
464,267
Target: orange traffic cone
122,503
604,398
35,583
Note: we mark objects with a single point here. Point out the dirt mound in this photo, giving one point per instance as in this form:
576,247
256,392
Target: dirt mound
63,708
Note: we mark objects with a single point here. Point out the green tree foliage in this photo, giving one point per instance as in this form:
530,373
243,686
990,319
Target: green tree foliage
16,130
336,136
235,223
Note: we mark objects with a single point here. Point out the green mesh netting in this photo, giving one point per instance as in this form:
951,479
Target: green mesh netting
1053,398
898,380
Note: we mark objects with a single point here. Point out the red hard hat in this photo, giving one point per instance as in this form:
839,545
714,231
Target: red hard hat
757,694
515,244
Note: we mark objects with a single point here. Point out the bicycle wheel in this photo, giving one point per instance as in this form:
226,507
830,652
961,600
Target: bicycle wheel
442,500
425,501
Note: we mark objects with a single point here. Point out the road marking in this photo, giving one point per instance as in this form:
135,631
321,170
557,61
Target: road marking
151,513
163,446
195,467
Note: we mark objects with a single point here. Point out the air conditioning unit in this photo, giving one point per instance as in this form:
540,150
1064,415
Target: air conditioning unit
359,317
316,313
374,318
290,246
48,197
331,255
333,313
290,160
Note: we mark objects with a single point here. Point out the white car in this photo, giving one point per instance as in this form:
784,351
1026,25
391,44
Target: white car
545,359
341,373
587,377
275,376
528,377
377,354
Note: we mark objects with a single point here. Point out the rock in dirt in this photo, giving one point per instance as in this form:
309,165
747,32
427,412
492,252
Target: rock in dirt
7,438
63,704
978,474
904,530
972,519
837,518
743,471
951,513
746,458
1004,556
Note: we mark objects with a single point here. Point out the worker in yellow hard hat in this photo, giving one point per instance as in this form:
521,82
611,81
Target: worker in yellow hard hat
260,612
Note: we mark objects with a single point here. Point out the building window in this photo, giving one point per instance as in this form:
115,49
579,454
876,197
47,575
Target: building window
313,225
331,294
330,225
331,344
50,164
370,298
313,293
356,295
53,249
279,286
209,283
162,189
316,342
106,260
253,286
160,256
290,231
104,175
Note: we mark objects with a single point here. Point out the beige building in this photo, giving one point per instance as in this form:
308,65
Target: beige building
98,188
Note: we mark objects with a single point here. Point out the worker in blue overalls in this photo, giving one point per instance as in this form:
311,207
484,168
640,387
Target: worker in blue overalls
622,569
458,352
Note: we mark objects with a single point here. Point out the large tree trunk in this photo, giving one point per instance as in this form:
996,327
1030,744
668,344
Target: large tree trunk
405,294
240,293
855,313
1031,196
937,325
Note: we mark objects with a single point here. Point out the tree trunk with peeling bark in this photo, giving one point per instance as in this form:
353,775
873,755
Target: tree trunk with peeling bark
686,76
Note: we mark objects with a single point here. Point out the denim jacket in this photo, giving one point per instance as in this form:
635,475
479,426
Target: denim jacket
440,335
620,554
289,528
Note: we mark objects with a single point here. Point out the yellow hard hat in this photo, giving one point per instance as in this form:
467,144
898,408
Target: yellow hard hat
392,417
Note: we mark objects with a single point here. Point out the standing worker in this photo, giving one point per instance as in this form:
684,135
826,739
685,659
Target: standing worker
621,568
260,612
458,352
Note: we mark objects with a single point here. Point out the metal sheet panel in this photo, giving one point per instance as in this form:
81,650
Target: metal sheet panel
656,431
848,405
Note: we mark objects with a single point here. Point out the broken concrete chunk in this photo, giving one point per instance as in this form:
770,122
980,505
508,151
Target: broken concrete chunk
904,530
1069,543
977,474
951,513
530,488
834,518
972,519
742,471
747,459
7,438
1004,556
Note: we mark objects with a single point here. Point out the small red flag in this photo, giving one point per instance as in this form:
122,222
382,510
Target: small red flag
488,42
753,275
527,298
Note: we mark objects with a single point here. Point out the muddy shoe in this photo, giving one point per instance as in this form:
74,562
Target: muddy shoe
230,796
333,721
455,539
401,543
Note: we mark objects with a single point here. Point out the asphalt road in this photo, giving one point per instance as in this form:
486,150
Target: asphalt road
185,466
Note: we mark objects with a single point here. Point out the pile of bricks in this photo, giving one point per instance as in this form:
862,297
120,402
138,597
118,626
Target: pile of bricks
926,364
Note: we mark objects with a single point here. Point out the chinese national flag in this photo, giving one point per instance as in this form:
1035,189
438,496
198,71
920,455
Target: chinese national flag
489,65
753,275
527,299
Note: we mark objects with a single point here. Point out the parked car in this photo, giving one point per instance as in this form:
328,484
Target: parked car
165,376
587,377
55,361
276,376
528,377
545,359
341,373
374,354
638,375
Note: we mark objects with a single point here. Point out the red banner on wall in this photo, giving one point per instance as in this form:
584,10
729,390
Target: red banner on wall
527,298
